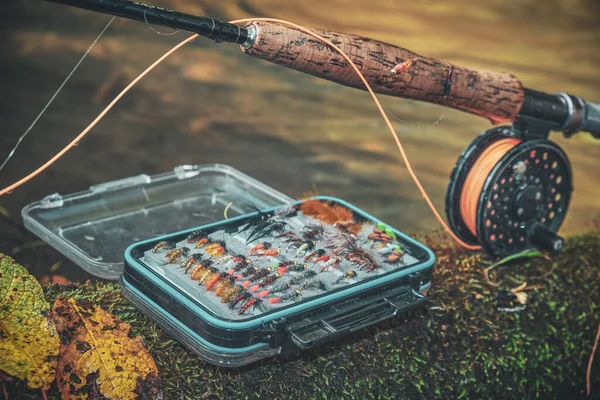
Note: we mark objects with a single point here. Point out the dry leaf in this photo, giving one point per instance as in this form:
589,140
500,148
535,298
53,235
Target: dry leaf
519,288
520,294
97,356
521,297
28,340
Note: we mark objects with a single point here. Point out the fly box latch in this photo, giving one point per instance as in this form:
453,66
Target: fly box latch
356,315
415,280
277,333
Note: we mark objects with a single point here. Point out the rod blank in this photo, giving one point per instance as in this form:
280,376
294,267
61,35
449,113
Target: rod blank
204,26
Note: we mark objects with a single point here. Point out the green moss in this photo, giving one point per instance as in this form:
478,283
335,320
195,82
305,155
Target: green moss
459,346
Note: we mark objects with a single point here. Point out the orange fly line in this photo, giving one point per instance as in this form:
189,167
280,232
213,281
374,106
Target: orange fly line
471,190
250,20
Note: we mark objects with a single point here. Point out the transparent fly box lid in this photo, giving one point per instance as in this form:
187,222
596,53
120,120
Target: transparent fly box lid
94,227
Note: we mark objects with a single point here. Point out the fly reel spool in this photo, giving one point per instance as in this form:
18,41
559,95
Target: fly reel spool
509,191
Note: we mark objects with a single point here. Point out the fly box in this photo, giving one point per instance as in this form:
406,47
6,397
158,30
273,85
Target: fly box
276,280
232,268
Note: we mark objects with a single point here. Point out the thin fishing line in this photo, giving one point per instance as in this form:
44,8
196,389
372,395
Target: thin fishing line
54,96
397,118
406,122
250,20
590,363
75,141
439,120
157,32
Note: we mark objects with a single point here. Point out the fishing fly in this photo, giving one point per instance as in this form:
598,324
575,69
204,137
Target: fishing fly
163,245
191,261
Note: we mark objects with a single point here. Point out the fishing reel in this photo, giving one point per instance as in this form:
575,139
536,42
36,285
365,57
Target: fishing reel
510,190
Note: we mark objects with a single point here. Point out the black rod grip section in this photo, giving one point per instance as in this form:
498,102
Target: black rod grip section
204,26
563,112
544,107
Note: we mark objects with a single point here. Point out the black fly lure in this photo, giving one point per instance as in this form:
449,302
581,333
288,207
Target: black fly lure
265,230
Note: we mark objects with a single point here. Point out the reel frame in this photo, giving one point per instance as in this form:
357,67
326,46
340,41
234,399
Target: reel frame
525,197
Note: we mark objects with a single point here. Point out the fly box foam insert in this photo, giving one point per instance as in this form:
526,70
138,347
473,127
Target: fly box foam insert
218,267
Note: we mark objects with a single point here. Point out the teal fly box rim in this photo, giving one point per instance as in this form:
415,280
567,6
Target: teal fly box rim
299,324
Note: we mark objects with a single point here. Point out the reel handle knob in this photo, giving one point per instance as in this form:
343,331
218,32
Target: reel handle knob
546,239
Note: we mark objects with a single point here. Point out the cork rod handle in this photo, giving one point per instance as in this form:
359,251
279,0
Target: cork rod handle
493,95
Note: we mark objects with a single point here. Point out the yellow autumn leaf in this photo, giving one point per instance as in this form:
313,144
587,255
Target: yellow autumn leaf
98,357
28,339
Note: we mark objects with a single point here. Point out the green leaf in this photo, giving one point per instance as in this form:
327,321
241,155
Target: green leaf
529,253
523,254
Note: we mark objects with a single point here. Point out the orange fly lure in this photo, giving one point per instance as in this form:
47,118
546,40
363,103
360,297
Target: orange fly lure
331,214
320,210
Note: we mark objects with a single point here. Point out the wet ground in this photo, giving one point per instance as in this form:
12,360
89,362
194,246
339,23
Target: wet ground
212,103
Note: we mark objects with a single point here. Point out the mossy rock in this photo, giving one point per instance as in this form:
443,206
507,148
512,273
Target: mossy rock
472,340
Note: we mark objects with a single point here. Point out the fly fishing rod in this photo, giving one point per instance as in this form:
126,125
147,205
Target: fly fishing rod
510,188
